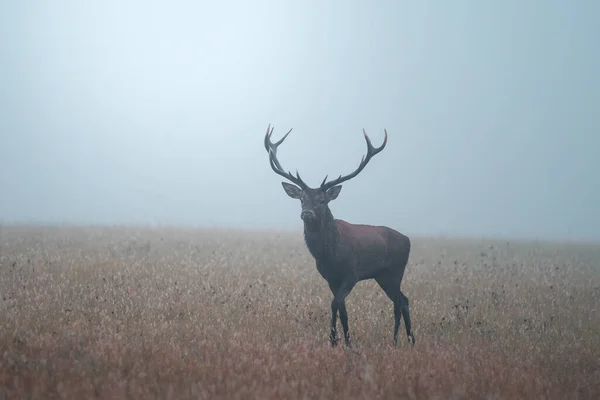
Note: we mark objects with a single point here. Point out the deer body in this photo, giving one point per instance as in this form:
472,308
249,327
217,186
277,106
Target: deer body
362,251
347,253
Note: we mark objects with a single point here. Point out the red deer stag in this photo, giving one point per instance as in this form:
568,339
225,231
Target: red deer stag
347,253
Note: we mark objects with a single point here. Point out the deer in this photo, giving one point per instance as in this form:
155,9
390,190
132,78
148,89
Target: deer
347,253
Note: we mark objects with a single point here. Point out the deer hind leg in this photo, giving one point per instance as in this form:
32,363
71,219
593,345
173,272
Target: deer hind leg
391,287
406,314
390,283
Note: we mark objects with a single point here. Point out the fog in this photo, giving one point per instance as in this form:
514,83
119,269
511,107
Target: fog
147,112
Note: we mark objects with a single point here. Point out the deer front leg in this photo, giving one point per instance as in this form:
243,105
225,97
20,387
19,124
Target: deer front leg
344,320
333,332
339,304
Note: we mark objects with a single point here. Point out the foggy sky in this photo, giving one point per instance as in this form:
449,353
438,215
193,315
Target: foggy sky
154,112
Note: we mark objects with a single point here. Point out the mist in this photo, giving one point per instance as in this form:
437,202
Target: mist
146,112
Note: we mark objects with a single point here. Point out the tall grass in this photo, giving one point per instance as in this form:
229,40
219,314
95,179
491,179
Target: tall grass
165,313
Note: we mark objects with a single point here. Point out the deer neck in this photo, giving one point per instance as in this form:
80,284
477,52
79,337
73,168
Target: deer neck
322,237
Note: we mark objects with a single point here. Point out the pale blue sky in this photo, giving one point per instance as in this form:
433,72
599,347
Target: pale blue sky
154,112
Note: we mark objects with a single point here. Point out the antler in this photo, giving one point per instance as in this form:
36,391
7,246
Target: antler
272,150
371,151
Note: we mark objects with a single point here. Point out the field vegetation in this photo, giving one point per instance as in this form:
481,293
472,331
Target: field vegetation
146,313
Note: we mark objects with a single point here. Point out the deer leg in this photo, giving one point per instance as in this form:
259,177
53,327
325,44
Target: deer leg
397,316
332,332
334,310
338,303
344,320
392,290
406,314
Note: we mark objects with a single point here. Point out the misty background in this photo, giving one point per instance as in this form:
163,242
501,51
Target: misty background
147,112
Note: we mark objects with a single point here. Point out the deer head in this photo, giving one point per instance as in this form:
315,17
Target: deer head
314,201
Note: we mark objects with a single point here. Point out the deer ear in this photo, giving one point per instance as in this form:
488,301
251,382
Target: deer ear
332,193
292,190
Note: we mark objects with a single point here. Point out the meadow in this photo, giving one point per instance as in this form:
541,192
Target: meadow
144,313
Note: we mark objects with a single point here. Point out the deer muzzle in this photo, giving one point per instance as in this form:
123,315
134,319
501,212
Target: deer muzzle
307,215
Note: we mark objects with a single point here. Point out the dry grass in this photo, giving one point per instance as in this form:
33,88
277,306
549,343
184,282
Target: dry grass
165,313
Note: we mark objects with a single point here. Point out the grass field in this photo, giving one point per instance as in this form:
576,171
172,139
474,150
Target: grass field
167,313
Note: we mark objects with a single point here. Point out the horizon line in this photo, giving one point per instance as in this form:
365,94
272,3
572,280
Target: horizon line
225,227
